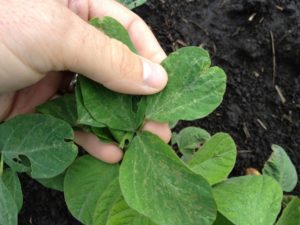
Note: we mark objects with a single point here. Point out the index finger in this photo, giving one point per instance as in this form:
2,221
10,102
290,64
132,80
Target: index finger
140,34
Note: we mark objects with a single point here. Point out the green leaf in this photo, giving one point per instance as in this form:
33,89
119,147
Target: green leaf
113,29
280,167
221,220
38,144
190,139
249,200
110,108
157,184
84,117
193,91
8,206
90,183
63,108
56,183
291,214
215,160
131,4
121,214
12,182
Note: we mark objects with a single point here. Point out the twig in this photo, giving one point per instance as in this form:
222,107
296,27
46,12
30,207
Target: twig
279,92
273,56
261,124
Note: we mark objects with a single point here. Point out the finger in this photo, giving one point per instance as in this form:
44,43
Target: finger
160,129
146,44
106,152
108,61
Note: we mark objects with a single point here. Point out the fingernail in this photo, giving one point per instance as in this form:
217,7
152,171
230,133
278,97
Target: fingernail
155,75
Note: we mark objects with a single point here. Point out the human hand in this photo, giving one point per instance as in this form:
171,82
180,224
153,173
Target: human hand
40,39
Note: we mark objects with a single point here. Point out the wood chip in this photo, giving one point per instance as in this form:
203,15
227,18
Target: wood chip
246,131
273,56
280,8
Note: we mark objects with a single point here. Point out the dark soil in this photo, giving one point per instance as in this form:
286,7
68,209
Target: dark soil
238,35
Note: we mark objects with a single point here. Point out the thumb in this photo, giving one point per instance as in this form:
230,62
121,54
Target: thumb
110,62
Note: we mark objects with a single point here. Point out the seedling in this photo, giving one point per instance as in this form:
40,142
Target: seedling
152,185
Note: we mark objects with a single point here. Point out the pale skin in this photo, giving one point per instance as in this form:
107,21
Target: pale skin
39,39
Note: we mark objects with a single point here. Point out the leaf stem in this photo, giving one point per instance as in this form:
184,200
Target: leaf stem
1,165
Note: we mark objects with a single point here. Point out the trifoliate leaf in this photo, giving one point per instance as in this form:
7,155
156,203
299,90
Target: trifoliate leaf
291,214
157,184
55,183
8,206
280,167
12,182
194,88
249,200
38,144
215,160
91,188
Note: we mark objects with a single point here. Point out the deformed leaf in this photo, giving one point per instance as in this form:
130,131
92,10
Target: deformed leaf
191,139
110,108
157,184
121,214
194,88
131,4
249,200
291,214
8,206
215,160
280,167
90,183
12,182
38,144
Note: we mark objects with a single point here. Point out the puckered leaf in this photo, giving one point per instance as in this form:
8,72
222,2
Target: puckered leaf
215,160
194,88
249,200
91,188
291,214
121,214
38,144
157,184
280,167
12,182
8,206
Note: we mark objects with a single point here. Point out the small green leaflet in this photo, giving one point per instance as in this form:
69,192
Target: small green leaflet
38,144
157,184
9,209
113,29
194,88
190,139
280,167
121,214
215,160
291,214
249,200
91,188
12,182
131,4
113,109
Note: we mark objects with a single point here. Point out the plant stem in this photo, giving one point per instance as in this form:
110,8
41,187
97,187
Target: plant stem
1,165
